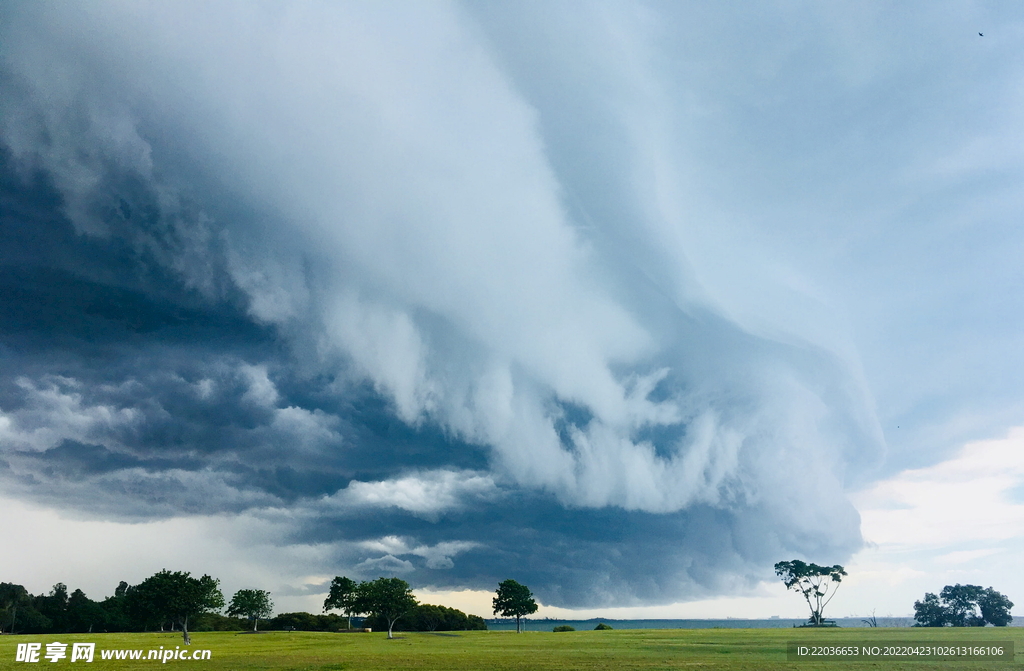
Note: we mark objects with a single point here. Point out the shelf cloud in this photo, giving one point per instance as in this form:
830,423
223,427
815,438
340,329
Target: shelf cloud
403,274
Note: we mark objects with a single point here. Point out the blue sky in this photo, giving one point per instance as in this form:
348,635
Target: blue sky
627,301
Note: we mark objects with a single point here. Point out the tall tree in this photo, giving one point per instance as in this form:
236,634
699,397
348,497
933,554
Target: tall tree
387,598
513,600
54,606
342,597
814,582
178,596
252,604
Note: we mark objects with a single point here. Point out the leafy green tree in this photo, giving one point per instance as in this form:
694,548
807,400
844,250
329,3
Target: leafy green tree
513,600
386,598
251,604
115,608
54,606
144,605
963,606
84,614
930,612
12,598
342,597
961,603
601,626
814,582
428,617
178,596
305,622
995,608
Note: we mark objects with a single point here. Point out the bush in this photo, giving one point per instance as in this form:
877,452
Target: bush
427,617
601,626
564,627
305,622
218,622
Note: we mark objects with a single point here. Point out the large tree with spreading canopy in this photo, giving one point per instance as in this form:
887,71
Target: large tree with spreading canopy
818,584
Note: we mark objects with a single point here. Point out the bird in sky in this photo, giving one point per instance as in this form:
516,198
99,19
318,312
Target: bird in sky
982,34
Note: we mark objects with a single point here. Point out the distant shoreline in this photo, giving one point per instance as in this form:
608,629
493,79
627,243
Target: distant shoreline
546,624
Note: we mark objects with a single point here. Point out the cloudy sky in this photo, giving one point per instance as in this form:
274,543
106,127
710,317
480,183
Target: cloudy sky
626,301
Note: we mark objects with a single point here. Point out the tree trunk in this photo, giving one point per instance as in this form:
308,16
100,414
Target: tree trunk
391,625
184,631
518,631
255,623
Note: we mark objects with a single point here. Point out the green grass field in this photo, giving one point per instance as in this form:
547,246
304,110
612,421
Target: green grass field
577,651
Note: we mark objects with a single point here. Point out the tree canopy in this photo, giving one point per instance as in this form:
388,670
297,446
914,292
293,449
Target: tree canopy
342,597
963,606
178,596
514,600
386,598
251,604
814,582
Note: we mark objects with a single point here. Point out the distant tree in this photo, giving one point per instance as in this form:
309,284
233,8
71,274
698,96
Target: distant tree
514,600
961,602
54,606
601,626
386,598
305,622
342,597
84,615
12,598
115,608
251,604
428,617
178,596
218,622
963,606
995,608
814,582
930,612
564,627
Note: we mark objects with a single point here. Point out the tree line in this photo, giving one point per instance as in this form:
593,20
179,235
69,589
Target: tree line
177,601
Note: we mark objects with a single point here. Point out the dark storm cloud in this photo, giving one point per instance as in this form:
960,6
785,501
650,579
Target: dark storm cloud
403,297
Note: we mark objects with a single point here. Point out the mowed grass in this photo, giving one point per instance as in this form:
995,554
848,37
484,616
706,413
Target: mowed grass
578,651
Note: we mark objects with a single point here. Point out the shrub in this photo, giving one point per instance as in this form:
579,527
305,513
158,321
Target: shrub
564,627
601,626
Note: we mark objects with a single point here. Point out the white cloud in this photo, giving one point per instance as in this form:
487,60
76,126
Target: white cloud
969,498
54,411
427,494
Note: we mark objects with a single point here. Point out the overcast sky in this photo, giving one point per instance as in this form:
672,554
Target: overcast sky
625,301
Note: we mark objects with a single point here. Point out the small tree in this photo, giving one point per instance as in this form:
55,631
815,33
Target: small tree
514,600
387,598
252,604
814,582
342,597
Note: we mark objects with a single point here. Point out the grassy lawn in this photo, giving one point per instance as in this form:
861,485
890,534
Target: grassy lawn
580,650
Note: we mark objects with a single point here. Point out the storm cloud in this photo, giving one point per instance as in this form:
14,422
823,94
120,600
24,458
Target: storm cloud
425,283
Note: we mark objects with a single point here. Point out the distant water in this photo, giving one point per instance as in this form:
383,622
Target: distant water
731,623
